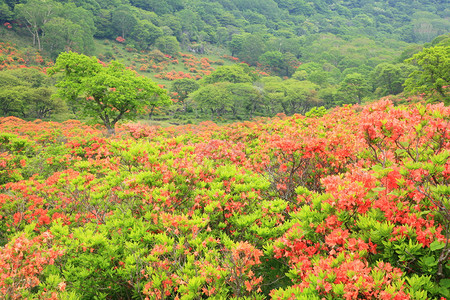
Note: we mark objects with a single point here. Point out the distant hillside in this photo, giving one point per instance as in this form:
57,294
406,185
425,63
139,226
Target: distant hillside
247,28
301,54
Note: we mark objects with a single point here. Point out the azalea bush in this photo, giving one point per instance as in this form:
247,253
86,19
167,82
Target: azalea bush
351,203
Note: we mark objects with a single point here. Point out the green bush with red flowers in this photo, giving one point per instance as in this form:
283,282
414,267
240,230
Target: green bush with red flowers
347,204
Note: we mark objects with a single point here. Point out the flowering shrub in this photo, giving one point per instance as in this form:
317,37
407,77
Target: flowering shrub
353,203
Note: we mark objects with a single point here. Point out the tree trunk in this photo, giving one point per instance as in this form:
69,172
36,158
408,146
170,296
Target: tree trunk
150,114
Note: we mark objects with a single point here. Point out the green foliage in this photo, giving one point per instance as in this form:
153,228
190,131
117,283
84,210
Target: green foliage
27,93
389,78
123,20
433,76
355,86
168,45
109,93
235,74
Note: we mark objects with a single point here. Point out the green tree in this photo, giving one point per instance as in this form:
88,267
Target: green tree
235,74
145,33
216,98
109,93
273,90
62,35
35,14
388,78
182,88
11,93
245,98
235,45
5,12
27,93
168,45
433,77
252,48
274,62
85,19
299,96
355,86
123,20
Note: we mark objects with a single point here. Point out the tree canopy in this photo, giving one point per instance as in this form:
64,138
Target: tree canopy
109,93
434,73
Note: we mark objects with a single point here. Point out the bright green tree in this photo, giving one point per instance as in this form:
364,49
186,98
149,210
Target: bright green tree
108,93
433,77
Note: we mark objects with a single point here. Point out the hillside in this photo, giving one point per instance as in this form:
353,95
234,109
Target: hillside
301,54
340,37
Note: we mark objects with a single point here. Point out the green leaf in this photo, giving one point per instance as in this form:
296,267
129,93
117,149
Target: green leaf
445,283
436,245
378,189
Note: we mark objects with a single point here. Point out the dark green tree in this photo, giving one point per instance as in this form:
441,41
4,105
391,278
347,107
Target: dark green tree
26,93
355,86
388,79
216,98
145,34
123,20
182,88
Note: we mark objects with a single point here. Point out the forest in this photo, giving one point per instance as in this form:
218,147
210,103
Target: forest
224,149
266,56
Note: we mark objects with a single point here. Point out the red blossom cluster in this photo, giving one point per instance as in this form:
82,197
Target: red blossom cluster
349,205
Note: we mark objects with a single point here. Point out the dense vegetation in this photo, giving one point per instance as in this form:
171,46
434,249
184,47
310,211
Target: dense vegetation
316,53
352,204
335,196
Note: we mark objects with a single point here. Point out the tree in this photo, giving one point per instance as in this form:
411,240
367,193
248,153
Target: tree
388,78
252,47
433,77
168,45
27,93
5,11
85,19
274,62
182,88
62,35
106,92
245,97
299,96
235,45
235,74
36,13
145,33
214,97
273,92
123,20
355,86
